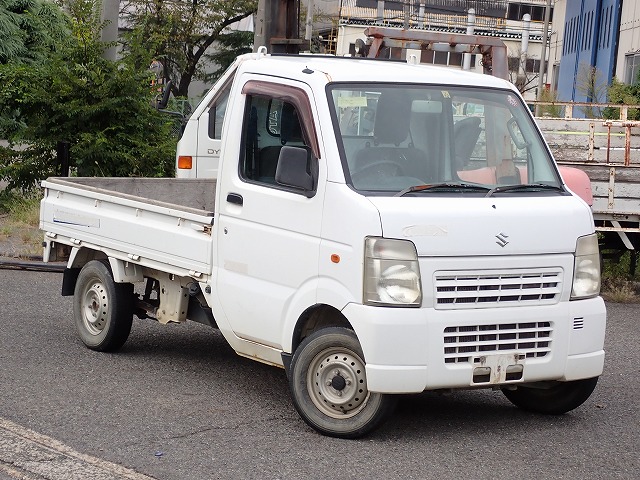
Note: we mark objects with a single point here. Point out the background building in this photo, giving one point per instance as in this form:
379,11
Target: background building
495,18
593,41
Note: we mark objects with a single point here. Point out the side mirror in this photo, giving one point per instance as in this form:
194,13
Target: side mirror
292,169
163,101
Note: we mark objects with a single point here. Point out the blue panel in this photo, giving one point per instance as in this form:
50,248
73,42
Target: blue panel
570,51
605,58
591,32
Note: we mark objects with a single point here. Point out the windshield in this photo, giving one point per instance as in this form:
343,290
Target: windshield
394,137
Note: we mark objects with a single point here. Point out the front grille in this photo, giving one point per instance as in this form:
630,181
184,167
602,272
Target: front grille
462,290
465,343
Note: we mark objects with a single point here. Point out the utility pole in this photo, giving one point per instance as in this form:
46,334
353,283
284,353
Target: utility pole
521,79
276,26
109,14
308,25
543,55
471,20
380,14
421,15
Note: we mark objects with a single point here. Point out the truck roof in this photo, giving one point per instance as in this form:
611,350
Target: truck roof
350,69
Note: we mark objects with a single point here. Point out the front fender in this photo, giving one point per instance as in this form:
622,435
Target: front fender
317,292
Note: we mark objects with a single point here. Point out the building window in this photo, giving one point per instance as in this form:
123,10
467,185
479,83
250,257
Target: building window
515,11
631,68
572,35
531,65
444,58
555,76
590,28
601,30
607,27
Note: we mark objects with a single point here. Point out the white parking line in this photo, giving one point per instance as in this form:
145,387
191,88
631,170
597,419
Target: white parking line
28,455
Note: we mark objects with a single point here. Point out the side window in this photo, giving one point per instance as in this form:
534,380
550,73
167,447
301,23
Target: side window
269,124
217,111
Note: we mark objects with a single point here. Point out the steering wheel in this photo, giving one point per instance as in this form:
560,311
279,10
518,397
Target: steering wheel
382,168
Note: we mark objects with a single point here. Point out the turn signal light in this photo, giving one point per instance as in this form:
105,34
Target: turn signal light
185,162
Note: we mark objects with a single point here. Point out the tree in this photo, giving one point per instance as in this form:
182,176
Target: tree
549,110
590,82
102,108
522,72
30,29
180,33
623,93
230,45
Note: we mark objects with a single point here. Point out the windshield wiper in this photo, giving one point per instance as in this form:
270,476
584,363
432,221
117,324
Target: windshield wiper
441,186
522,187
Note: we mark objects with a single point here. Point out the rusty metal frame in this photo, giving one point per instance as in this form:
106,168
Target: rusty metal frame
493,50
627,125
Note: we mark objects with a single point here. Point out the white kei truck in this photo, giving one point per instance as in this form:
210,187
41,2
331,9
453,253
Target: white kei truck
374,227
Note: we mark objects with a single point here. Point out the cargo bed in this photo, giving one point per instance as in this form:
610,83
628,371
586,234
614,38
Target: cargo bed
162,223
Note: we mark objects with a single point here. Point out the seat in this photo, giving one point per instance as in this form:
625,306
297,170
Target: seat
290,134
267,163
392,128
465,133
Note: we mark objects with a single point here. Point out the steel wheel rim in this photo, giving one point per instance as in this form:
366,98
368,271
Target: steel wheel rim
337,383
95,308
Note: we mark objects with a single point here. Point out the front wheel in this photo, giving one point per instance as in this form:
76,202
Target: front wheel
556,399
329,385
102,309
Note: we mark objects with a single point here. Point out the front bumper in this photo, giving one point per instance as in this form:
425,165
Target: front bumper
405,349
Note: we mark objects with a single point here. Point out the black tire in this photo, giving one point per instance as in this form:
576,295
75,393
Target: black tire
102,309
559,398
329,386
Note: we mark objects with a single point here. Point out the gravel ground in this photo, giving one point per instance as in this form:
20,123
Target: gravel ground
19,240
23,241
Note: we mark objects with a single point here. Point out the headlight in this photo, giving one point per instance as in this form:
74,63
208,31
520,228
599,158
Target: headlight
586,268
391,273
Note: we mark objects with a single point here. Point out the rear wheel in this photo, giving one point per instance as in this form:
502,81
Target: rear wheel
102,309
556,399
329,385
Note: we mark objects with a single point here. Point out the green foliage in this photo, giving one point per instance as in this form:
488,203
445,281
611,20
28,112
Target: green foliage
181,34
554,111
19,219
618,285
230,45
20,206
624,94
591,82
30,30
103,108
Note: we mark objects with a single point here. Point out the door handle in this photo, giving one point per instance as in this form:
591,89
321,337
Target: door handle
234,198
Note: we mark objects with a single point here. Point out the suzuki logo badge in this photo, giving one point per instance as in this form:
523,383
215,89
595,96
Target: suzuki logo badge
502,239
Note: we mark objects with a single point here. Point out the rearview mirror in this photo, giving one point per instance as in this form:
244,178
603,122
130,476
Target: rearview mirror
426,106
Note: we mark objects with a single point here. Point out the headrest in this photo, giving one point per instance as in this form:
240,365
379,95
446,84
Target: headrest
467,123
393,115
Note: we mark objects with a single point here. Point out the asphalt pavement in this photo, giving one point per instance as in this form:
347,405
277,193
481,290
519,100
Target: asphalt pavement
178,404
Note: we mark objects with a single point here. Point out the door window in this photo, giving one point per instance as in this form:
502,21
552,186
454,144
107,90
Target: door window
269,124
